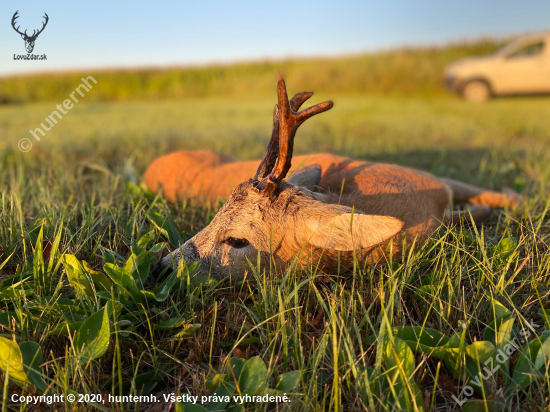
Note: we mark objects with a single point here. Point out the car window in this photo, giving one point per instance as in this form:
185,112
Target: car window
528,51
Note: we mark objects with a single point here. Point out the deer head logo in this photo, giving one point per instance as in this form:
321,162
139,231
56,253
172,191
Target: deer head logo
29,40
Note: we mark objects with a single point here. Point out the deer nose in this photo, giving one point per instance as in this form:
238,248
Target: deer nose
188,253
158,267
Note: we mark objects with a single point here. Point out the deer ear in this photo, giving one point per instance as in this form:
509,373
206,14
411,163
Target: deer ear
351,231
309,177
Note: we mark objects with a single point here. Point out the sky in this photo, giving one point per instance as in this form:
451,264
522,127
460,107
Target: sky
110,34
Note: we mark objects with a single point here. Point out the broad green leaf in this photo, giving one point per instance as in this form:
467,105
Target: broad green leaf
399,361
150,296
159,247
32,362
65,328
479,405
253,376
519,184
545,314
140,190
92,339
12,293
188,331
286,382
481,351
249,341
419,335
11,356
167,228
190,407
101,281
430,342
7,319
504,249
236,407
171,323
543,354
504,345
504,335
450,353
397,354
140,385
490,332
124,280
144,241
236,365
113,308
498,308
108,257
77,277
124,327
166,286
224,393
80,276
138,266
477,354
214,381
525,371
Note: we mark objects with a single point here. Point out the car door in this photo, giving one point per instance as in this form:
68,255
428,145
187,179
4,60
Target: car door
524,69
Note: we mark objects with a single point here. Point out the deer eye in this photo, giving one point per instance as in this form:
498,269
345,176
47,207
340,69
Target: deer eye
237,243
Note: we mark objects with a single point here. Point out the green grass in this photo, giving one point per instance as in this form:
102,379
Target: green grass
77,189
404,71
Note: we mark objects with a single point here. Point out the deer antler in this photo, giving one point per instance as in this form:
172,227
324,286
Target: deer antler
15,16
272,151
34,33
286,120
43,26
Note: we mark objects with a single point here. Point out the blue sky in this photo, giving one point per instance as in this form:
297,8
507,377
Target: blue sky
139,33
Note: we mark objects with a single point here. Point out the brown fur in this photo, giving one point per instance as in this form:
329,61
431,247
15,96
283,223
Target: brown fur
391,202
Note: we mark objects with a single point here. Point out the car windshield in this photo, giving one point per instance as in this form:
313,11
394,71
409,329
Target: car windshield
521,48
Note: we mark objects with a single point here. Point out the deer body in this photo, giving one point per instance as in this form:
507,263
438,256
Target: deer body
416,197
330,211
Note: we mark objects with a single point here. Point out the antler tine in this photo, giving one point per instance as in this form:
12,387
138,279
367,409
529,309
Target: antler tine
34,32
15,17
43,25
289,121
272,151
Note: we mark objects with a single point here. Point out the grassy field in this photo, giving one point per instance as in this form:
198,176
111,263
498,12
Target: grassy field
345,342
403,72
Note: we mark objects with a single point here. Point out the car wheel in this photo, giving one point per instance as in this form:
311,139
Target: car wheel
476,91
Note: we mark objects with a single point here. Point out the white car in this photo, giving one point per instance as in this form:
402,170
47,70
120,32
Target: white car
521,67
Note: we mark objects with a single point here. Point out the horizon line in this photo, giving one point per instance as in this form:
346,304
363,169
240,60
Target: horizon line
273,59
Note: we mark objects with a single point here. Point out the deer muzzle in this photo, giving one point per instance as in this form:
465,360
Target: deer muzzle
188,252
29,45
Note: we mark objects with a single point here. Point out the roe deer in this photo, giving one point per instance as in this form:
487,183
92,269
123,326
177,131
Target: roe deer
364,210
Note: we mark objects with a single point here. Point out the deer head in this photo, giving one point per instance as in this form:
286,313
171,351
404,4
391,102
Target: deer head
276,220
29,40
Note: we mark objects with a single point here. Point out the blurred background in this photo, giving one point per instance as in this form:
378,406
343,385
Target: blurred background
202,75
